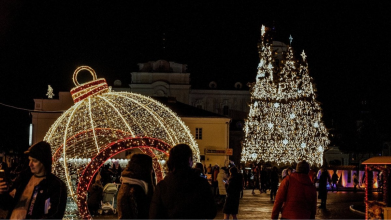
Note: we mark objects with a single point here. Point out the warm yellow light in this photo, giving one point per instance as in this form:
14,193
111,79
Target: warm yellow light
284,124
102,117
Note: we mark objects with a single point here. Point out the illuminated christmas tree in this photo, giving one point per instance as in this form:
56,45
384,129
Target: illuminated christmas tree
284,124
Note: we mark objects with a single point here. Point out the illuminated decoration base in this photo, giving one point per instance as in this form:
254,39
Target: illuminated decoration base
100,118
96,162
284,124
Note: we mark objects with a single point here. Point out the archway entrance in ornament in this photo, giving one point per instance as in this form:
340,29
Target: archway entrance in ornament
99,120
146,145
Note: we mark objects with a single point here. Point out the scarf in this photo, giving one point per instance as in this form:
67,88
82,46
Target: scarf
141,183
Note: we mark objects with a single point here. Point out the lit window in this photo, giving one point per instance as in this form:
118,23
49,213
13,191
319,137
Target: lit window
198,135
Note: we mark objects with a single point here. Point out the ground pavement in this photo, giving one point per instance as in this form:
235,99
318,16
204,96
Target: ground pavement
259,206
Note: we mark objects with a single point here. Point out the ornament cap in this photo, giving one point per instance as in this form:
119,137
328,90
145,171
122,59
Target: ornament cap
94,87
81,68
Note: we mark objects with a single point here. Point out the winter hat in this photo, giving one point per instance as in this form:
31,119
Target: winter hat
303,167
42,152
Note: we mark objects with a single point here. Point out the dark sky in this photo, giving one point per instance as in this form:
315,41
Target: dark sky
42,42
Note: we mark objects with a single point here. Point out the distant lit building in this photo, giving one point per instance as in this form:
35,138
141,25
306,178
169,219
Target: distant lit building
210,130
333,156
169,79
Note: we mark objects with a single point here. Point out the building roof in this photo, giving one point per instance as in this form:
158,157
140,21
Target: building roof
184,110
378,160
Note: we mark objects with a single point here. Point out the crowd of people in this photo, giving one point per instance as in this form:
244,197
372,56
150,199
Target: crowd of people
185,192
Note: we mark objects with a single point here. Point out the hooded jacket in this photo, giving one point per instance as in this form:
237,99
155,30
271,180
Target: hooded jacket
296,198
183,195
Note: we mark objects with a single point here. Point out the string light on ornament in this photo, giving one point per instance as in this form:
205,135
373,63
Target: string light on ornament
284,114
103,123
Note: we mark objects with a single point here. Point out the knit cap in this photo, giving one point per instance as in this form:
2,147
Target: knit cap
42,152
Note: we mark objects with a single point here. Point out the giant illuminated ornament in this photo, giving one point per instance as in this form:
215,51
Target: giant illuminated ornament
102,124
284,124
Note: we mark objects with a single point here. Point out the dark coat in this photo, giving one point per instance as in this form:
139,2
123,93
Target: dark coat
133,202
323,180
95,196
274,179
183,195
51,189
231,205
335,178
296,198
264,177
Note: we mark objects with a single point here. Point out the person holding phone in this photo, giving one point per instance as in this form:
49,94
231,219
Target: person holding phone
36,193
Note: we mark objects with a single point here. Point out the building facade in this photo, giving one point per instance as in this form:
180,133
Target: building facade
169,79
210,130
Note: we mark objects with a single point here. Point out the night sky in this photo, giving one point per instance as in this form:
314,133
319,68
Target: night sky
42,42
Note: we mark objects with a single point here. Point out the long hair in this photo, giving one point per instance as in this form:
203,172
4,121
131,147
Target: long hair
179,157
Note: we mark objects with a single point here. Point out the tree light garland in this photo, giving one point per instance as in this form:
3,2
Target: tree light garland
284,124
103,123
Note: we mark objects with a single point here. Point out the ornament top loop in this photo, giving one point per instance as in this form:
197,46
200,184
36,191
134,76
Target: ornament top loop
80,68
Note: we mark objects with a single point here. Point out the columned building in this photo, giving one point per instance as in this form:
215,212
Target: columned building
169,79
162,79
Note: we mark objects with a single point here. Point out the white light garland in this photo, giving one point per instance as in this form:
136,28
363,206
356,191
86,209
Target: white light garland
100,118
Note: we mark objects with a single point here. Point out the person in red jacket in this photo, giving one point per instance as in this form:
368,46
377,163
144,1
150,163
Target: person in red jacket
296,196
